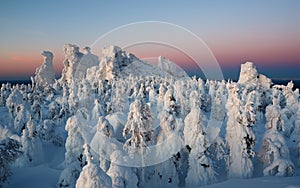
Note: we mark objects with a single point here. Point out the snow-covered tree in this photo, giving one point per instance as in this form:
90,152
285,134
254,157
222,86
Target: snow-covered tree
160,99
10,150
295,136
92,176
50,131
239,136
121,176
31,146
74,158
170,143
101,142
218,105
36,110
97,110
120,100
201,170
139,129
274,153
21,118
13,101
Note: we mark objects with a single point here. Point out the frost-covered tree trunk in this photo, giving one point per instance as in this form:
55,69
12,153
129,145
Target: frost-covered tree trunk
274,153
92,176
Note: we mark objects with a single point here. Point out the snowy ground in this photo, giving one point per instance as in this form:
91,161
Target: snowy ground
46,175
262,182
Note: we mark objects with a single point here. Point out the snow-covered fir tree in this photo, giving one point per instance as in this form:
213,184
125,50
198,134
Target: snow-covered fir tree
274,153
139,129
295,139
239,136
121,176
201,170
104,133
92,176
31,146
74,158
170,142
9,152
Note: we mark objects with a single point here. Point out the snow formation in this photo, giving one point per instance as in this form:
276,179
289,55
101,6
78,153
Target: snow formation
45,73
170,67
125,123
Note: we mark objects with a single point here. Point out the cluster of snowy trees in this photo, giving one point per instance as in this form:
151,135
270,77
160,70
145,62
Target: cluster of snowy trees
180,131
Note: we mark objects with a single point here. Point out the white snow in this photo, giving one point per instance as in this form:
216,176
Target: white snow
121,122
45,73
170,67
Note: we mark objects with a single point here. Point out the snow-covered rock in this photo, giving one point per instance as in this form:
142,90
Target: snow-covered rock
72,59
45,73
250,76
114,59
88,60
170,67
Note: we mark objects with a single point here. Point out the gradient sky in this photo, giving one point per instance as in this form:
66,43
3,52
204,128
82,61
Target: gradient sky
266,32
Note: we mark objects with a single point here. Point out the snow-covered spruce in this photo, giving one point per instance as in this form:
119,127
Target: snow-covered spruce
92,175
274,153
9,152
240,138
74,157
201,170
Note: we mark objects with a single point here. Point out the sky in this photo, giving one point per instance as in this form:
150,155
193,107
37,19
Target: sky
264,32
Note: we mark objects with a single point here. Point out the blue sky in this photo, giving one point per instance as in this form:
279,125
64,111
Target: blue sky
266,32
